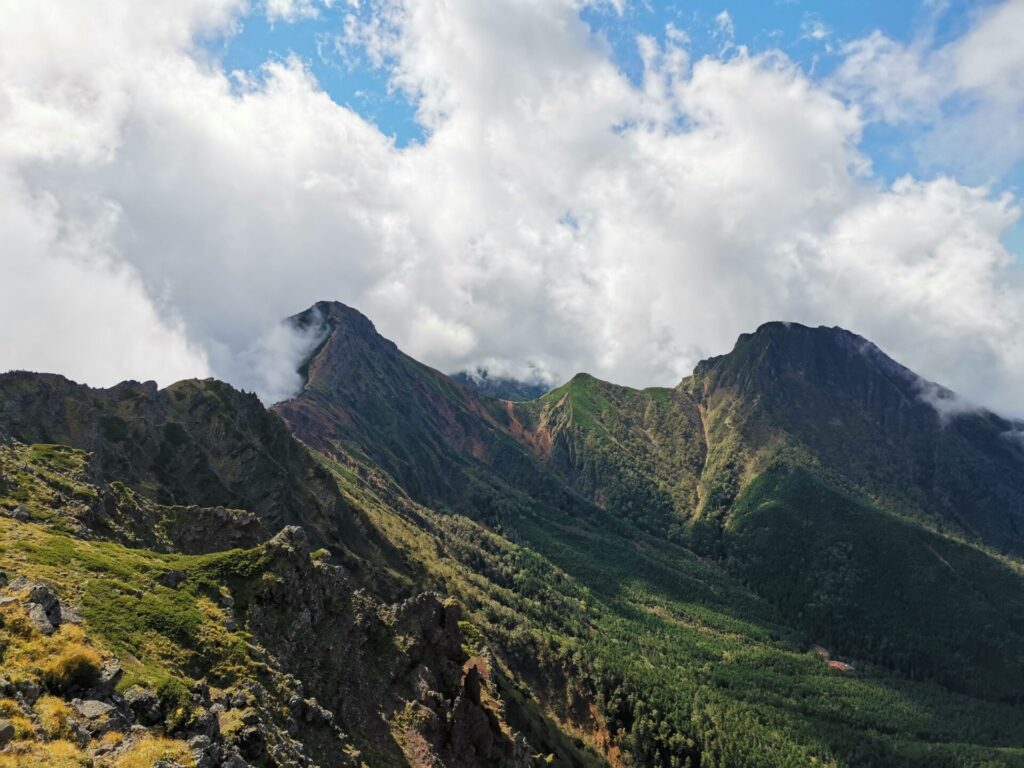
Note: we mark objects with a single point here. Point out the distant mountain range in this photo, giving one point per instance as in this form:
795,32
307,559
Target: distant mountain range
802,554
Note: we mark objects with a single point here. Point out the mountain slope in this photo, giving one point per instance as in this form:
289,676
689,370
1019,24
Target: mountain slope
692,464
632,577
444,444
873,424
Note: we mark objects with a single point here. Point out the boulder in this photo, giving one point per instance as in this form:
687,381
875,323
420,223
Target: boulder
44,608
6,731
205,753
92,709
98,717
19,582
110,675
69,615
39,618
235,761
144,704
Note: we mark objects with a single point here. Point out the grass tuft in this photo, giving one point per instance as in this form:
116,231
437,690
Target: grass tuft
151,750
55,717
77,665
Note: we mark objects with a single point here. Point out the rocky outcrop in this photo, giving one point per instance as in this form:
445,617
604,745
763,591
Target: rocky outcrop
394,674
195,443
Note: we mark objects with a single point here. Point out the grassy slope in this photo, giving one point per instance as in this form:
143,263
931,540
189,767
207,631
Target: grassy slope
675,656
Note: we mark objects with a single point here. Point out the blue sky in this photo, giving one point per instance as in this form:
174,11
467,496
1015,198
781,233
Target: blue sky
809,32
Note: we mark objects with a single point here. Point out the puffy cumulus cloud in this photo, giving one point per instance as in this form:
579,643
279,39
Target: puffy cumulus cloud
968,93
557,217
920,268
68,307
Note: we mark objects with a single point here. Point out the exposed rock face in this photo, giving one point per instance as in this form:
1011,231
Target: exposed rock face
199,443
362,659
200,530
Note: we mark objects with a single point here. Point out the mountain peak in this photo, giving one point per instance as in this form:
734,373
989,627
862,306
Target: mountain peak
331,315
342,338
779,348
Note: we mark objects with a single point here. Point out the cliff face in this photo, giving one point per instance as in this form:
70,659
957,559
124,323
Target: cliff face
397,675
198,443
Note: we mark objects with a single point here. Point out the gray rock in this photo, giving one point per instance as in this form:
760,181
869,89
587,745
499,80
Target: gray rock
28,691
42,596
98,717
37,615
6,731
144,704
69,615
92,709
235,761
205,723
19,583
3,578
110,675
205,754
20,513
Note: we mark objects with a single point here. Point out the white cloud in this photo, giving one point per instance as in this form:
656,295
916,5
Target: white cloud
270,365
813,28
557,217
968,93
292,10
724,23
68,307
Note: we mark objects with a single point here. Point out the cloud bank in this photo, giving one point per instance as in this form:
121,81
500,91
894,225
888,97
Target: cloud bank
160,215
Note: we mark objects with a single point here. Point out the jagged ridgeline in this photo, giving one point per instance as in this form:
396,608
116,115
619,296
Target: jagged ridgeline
803,554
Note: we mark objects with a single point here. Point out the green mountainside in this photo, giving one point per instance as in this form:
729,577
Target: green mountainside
801,555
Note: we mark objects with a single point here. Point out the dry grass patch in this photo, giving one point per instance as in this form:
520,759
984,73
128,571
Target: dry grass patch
57,754
145,753
55,717
76,665
64,660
